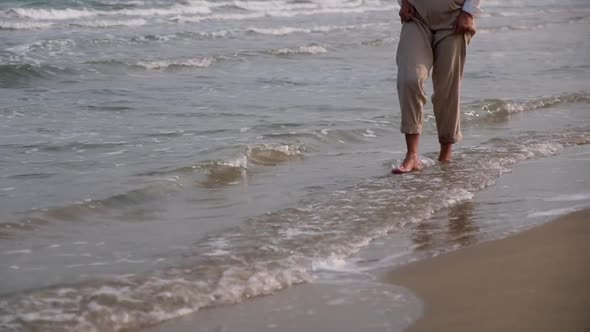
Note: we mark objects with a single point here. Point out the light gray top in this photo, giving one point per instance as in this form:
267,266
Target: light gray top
473,7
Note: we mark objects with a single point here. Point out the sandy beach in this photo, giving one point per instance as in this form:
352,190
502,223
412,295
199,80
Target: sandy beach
538,280
225,166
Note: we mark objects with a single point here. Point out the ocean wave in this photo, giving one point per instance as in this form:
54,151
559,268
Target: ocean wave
273,6
279,13
201,8
192,11
308,49
171,64
69,13
267,31
270,155
6,25
159,64
278,249
50,14
253,155
282,31
47,46
138,199
495,109
110,23
511,28
78,145
122,3
232,170
12,75
286,30
215,173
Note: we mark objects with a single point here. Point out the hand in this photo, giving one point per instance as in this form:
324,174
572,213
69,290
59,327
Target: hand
465,23
407,11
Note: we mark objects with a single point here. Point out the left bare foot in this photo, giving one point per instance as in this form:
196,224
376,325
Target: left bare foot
411,163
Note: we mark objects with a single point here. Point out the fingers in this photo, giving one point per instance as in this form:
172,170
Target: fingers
462,27
464,23
406,13
405,17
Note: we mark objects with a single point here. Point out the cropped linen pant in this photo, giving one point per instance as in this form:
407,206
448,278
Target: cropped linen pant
428,42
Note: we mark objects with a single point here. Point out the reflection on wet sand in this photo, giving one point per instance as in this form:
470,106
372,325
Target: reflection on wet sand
461,228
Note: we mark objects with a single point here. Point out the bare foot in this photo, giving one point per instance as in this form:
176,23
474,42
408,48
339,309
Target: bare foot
411,163
445,153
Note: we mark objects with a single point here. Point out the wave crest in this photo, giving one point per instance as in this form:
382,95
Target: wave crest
308,49
171,64
496,109
24,25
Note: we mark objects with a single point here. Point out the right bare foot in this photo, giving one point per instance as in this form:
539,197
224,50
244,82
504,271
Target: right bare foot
411,163
445,153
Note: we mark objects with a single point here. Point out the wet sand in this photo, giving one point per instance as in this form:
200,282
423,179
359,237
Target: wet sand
538,280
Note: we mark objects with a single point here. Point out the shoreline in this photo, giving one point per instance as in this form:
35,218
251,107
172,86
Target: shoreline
353,302
538,280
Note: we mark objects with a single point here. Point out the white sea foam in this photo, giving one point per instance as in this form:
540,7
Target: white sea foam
555,212
174,10
122,2
457,196
111,23
286,30
5,25
334,263
50,46
17,252
273,5
309,49
53,14
287,149
282,30
280,13
238,162
168,64
114,153
69,13
569,198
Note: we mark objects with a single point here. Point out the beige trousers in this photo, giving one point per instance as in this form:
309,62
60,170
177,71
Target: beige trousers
429,43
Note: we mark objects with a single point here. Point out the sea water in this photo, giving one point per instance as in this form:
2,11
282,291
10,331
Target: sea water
159,157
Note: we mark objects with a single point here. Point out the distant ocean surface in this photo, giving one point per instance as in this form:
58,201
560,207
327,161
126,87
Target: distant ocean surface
158,157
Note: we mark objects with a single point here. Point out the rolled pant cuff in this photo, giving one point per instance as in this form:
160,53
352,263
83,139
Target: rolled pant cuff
450,139
412,130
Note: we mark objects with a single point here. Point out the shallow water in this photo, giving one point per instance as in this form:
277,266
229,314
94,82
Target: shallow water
160,157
